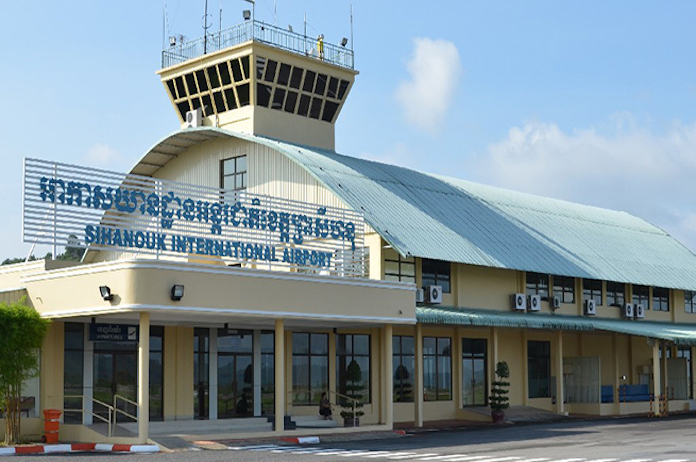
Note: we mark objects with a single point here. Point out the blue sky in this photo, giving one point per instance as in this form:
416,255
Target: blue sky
589,101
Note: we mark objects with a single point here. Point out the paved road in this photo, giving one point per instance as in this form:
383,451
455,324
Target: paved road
634,440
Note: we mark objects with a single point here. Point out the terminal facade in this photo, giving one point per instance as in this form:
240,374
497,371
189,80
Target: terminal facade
420,283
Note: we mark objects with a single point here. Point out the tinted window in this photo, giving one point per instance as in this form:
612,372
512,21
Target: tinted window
309,81
296,78
243,93
304,105
291,102
213,77
224,73
263,94
329,111
284,74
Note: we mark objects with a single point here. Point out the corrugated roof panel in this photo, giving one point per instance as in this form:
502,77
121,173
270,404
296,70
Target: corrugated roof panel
455,220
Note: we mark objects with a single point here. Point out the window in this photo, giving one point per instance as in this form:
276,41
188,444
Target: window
267,373
156,373
539,369
235,373
403,367
641,296
437,368
474,383
660,299
538,284
201,365
233,173
73,367
690,301
310,367
353,366
564,287
615,293
592,290
398,268
436,272
685,352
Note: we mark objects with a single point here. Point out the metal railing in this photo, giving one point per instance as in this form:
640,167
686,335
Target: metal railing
111,411
260,32
354,401
117,410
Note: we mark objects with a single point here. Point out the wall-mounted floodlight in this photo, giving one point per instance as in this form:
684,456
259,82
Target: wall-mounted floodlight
105,293
344,41
177,292
246,14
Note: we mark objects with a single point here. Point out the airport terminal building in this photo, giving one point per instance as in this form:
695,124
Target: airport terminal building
243,267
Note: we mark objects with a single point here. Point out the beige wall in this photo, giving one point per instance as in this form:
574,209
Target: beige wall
178,373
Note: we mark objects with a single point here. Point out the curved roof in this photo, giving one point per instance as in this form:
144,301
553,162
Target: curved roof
431,216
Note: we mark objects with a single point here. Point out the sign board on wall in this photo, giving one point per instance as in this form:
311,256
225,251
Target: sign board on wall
113,333
102,210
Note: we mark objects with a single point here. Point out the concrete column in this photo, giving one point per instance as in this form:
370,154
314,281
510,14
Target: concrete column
616,382
525,370
665,378
257,372
457,370
279,359
560,392
144,378
657,381
213,374
418,376
389,377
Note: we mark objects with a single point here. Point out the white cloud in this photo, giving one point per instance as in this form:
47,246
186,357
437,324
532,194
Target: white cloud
628,167
434,70
102,155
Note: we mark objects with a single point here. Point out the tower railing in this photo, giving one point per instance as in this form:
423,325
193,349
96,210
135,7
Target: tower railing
260,32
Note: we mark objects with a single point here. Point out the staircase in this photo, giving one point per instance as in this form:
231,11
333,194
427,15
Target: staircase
313,421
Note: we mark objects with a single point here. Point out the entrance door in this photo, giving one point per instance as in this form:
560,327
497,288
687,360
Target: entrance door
235,374
474,385
115,374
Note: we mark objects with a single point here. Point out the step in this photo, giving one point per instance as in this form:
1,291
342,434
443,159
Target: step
312,421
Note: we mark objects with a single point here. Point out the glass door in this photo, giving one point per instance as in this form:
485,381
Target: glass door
115,373
474,383
235,374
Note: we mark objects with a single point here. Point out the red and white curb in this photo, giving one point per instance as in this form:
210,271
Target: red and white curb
303,440
79,447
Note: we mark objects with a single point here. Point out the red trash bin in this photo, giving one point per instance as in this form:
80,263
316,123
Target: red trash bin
51,425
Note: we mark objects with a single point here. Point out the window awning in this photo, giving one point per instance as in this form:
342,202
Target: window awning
680,334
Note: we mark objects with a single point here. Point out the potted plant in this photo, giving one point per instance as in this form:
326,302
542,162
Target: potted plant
351,417
499,399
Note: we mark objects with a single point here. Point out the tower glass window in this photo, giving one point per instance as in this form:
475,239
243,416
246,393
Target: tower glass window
436,272
233,173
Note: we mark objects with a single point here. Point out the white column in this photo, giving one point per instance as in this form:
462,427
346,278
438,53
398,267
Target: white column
257,372
389,377
279,359
560,392
213,374
144,378
417,376
525,371
88,380
656,376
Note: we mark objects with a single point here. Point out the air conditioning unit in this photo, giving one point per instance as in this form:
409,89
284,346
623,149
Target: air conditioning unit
419,296
628,311
433,294
194,118
590,307
534,303
556,302
639,311
519,302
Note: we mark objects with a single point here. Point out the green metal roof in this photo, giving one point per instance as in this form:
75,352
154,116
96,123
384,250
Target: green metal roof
430,216
680,334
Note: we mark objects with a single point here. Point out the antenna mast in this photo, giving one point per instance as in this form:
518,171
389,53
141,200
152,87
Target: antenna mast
352,42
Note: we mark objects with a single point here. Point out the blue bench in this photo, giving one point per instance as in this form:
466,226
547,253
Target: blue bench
633,393
607,394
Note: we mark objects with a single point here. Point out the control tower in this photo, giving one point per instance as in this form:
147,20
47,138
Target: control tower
259,79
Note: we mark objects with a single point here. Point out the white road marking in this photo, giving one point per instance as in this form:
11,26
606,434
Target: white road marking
412,456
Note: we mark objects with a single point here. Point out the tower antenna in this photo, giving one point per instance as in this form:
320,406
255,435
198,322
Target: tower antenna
221,18
205,28
352,42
